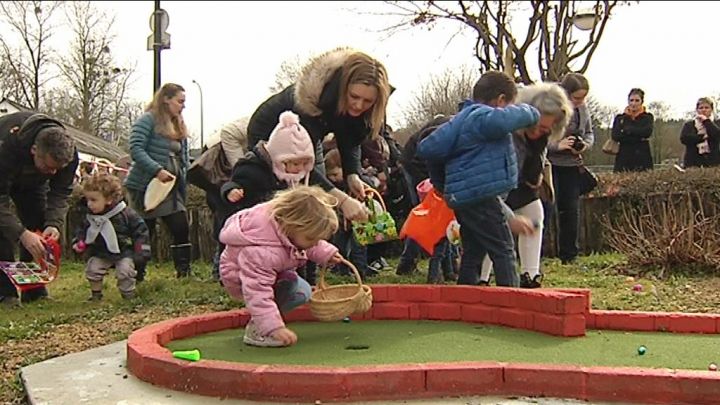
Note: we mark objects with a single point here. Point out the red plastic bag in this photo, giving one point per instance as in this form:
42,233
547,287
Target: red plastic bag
427,223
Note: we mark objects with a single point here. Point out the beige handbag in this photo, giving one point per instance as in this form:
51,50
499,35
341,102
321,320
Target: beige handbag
547,190
611,147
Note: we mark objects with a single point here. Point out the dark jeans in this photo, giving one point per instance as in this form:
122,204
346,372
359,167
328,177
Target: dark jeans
566,180
411,252
221,212
355,252
484,230
442,259
30,204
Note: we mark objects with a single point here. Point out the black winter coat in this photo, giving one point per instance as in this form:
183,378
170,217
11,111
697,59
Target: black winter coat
18,172
253,174
690,138
633,135
414,166
132,233
531,152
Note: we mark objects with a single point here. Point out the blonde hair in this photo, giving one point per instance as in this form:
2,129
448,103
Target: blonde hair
360,68
549,99
107,185
705,100
306,210
171,127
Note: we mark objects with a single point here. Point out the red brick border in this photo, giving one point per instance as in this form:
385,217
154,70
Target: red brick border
559,312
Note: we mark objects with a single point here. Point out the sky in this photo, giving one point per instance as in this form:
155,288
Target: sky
234,49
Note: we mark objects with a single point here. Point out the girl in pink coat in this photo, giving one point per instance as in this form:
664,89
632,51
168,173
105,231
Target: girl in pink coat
265,244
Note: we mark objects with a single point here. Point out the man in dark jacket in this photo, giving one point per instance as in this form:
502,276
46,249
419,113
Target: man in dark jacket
38,160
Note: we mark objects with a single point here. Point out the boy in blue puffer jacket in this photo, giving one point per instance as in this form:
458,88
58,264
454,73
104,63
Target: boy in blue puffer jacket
471,160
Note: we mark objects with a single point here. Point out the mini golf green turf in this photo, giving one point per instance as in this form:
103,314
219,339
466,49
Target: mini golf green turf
394,342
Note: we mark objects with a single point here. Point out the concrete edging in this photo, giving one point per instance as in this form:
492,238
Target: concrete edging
564,312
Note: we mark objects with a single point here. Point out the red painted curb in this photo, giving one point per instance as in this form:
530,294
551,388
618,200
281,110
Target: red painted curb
564,313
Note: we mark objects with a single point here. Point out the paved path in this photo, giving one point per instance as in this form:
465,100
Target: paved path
99,377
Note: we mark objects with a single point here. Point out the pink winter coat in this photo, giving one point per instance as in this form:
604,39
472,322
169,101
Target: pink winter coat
256,252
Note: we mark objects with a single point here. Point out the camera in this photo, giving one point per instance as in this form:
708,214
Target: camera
577,143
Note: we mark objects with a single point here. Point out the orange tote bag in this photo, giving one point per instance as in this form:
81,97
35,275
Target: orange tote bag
426,224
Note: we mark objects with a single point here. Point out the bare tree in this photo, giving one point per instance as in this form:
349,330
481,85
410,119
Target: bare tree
25,66
93,79
602,115
665,142
440,95
549,34
288,72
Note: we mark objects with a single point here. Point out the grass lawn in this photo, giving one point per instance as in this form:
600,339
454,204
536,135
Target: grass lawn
396,342
68,323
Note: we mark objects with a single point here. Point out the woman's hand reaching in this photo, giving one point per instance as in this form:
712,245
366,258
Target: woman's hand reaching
356,186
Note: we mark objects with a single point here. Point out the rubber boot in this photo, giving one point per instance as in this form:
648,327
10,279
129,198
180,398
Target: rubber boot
181,255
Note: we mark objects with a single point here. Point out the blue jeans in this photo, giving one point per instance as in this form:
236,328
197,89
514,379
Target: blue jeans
291,291
484,230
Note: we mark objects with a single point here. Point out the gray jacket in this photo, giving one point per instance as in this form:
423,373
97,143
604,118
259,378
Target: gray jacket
580,126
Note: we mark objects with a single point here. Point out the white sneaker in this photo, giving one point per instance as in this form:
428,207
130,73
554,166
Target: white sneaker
253,338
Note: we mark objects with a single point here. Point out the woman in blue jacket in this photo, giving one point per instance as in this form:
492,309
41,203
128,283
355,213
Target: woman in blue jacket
159,149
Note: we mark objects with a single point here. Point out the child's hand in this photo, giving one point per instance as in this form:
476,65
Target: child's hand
79,246
520,225
285,335
235,195
336,258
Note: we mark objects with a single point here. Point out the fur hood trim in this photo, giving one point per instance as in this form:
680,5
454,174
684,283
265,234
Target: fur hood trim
315,75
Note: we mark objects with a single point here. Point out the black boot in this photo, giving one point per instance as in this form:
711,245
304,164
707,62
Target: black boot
181,255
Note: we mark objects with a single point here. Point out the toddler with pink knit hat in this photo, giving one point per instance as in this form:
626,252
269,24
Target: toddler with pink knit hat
285,160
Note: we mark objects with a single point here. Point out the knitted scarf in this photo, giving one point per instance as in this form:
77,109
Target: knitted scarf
101,225
634,115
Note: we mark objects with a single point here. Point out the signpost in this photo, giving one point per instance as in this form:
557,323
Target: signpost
158,40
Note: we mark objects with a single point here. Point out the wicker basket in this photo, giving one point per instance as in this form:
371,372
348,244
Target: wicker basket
337,302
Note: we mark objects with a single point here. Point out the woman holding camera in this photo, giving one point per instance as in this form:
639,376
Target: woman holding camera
566,158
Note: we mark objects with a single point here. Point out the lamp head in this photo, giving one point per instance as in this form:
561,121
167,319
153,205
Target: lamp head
585,20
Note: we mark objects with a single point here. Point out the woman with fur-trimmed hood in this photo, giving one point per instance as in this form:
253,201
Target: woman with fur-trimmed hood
342,91
531,147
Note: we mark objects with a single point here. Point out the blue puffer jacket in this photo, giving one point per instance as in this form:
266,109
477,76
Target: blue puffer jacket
476,150
150,153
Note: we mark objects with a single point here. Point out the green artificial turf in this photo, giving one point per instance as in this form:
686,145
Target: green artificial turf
393,342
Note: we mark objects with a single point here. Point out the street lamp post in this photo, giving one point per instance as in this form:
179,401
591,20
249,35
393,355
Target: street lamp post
202,126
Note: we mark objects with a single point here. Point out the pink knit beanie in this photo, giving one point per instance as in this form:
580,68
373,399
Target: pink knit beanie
289,140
